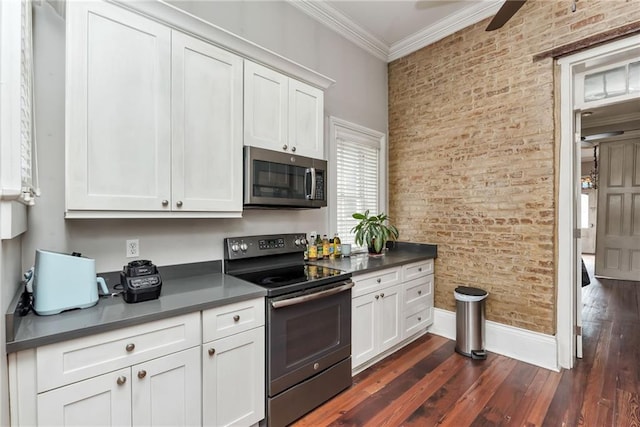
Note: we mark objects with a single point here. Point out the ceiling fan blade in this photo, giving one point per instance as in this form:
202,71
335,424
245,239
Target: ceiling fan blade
508,9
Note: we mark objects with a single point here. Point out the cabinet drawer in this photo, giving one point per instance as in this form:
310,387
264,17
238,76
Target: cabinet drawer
418,320
374,281
417,269
419,291
74,360
231,319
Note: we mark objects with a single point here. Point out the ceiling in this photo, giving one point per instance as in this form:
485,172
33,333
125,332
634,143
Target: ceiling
392,29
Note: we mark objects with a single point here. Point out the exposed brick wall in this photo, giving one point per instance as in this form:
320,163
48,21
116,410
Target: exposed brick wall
472,155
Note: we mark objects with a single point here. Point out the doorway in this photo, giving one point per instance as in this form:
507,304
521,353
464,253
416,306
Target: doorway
569,190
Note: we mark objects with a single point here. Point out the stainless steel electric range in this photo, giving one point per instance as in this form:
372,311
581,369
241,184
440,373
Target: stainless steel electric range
308,322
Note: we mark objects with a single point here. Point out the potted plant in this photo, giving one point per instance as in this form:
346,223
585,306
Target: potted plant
374,231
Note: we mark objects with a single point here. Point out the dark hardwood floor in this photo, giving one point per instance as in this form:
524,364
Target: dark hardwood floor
428,384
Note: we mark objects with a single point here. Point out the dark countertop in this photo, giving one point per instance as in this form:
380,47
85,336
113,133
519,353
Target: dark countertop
397,253
184,290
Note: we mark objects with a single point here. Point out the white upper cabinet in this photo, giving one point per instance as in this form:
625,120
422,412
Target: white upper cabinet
306,106
154,119
281,113
207,126
118,152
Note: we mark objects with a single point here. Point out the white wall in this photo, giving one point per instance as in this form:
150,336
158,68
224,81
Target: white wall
360,96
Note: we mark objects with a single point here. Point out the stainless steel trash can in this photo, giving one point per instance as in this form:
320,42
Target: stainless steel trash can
470,318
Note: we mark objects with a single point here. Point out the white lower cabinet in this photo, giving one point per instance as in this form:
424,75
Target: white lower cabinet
157,373
100,401
233,364
233,379
376,323
390,307
163,391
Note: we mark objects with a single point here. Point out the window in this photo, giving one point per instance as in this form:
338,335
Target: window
358,157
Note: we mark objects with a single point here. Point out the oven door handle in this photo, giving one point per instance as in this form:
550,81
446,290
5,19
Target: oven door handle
305,298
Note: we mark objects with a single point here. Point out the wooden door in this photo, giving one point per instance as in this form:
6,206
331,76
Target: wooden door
166,391
265,107
306,124
233,372
207,127
364,317
104,400
618,231
118,109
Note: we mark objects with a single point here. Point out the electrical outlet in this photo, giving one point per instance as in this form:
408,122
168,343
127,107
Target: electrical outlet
133,248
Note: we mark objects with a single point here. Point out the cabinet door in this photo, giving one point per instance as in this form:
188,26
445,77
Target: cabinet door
265,107
306,125
100,401
118,109
233,379
207,127
166,391
363,334
390,317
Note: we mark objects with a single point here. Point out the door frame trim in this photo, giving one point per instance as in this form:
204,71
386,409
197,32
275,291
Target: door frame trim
567,251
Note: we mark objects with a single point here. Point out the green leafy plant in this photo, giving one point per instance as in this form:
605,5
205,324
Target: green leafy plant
374,231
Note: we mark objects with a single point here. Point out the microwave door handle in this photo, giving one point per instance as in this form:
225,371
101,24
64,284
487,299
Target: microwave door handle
312,193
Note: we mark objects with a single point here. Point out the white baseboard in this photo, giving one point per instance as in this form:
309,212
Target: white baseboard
521,344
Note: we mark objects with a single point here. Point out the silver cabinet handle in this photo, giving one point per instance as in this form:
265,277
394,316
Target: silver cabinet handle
121,380
142,374
165,203
179,203
419,319
419,292
420,269
381,295
379,280
236,318
130,347
212,351
284,147
377,296
293,149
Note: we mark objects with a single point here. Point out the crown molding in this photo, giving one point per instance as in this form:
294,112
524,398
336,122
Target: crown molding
331,17
443,28
343,25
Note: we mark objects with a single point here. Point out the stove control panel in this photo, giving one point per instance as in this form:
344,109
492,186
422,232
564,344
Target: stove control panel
255,246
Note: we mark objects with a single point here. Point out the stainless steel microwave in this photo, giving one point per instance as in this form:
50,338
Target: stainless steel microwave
276,179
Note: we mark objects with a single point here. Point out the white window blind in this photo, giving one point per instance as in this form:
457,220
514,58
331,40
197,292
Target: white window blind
357,180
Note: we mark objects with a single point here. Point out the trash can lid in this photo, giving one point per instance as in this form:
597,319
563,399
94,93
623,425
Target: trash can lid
469,294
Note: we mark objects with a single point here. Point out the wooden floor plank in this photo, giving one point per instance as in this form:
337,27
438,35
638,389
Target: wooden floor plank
507,400
436,407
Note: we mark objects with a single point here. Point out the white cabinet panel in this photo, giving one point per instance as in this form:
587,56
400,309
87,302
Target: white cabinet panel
100,401
265,107
234,379
306,109
390,317
233,318
118,109
166,391
363,335
207,126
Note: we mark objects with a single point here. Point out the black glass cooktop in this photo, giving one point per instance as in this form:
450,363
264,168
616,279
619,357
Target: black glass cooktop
285,276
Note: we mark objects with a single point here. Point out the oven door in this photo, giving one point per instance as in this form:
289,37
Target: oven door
306,334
